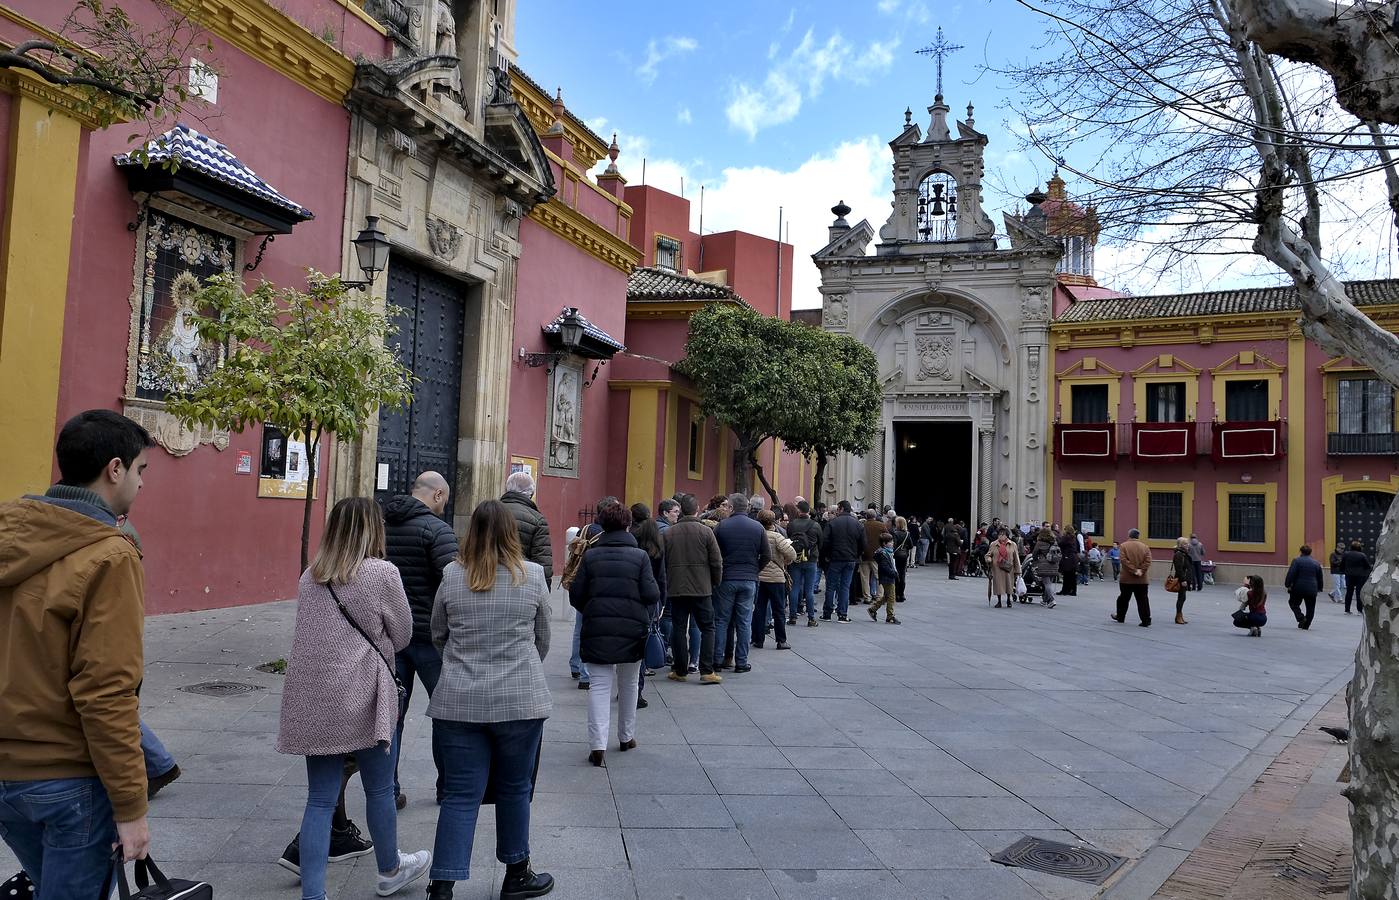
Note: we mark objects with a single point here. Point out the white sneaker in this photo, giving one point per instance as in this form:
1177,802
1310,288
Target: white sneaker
411,867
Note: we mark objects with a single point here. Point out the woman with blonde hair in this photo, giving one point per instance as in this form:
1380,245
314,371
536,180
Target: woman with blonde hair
772,583
1182,571
491,622
341,696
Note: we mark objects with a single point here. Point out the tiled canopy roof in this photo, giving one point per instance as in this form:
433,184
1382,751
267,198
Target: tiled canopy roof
651,285
206,156
589,329
1250,301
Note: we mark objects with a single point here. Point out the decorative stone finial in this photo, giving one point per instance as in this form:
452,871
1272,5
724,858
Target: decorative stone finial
841,211
612,152
971,118
557,127
908,117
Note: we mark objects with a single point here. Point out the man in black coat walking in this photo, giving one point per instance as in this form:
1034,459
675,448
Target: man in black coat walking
420,544
533,527
1303,583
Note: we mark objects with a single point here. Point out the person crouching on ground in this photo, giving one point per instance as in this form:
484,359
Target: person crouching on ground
772,582
888,581
491,623
1252,612
340,696
1003,562
617,596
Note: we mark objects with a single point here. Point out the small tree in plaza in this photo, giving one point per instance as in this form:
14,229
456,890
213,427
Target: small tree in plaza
313,362
841,414
1204,141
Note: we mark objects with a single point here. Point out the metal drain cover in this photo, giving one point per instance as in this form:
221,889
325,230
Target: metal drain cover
1064,860
221,688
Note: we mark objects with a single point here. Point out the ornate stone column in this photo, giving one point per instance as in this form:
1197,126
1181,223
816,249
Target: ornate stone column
986,494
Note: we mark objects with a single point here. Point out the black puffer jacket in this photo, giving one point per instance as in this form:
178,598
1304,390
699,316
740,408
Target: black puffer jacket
421,545
845,539
534,531
1068,553
1356,564
616,593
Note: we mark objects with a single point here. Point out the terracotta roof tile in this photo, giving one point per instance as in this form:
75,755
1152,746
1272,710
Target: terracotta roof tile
1248,301
652,285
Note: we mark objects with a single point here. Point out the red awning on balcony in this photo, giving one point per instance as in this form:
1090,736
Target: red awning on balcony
1247,440
1163,441
1087,441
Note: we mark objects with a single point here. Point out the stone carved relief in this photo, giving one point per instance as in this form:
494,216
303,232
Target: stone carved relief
836,315
444,238
1032,305
565,421
935,357
1032,369
445,44
510,212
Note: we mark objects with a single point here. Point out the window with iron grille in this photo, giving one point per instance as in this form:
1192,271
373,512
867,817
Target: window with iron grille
1090,506
1089,403
668,254
1247,518
1246,401
1165,520
1165,401
1364,406
696,447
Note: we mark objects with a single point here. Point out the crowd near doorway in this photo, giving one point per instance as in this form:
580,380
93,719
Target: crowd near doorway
933,469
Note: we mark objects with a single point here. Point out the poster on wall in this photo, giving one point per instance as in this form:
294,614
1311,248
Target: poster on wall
527,464
1088,527
285,468
245,463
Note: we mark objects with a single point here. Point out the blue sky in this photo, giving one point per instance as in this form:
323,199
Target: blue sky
772,104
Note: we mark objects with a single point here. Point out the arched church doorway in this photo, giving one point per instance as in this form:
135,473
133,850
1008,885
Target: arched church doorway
1360,516
933,469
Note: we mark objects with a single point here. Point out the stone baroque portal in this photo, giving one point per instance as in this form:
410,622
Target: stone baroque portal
960,327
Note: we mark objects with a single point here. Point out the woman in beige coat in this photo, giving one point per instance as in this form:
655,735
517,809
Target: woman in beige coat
1003,562
772,584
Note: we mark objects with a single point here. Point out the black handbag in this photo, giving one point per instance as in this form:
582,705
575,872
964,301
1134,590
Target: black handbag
393,672
151,883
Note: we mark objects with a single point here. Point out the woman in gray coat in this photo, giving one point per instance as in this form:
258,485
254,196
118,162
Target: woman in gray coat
491,622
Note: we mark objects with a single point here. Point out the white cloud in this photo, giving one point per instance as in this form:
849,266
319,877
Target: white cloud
683,116
888,6
747,197
801,75
658,52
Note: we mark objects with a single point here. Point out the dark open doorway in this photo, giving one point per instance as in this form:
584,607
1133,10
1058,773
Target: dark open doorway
933,469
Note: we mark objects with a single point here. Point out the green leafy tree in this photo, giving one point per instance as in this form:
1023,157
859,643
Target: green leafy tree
312,361
839,413
131,72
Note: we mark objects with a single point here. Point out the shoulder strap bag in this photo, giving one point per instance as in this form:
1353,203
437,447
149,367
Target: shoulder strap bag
393,672
151,883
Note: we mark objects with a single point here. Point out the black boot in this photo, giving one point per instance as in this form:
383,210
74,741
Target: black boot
440,890
521,882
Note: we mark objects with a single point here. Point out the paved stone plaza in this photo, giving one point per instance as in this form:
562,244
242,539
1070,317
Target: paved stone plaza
870,761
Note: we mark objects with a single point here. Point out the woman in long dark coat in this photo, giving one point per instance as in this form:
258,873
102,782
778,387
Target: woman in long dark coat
1068,561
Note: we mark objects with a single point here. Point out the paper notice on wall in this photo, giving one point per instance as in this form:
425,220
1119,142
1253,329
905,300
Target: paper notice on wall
245,463
1088,527
381,481
297,468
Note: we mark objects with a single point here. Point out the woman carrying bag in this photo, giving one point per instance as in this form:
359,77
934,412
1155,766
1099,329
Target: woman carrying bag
491,622
903,546
1003,562
341,696
1182,571
617,595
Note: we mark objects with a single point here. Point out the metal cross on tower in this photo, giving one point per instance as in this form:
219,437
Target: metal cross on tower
938,49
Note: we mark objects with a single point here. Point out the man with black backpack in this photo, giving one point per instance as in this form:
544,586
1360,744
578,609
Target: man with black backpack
805,535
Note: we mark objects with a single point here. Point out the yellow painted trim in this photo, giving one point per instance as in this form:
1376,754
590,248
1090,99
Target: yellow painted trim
776,465
1066,406
1274,379
643,412
587,235
650,309
695,427
1109,489
655,236
1186,489
623,208
1192,393
1297,450
1331,379
1165,364
627,384
672,417
538,107
70,102
356,9
725,462
35,250
1335,485
1270,512
270,36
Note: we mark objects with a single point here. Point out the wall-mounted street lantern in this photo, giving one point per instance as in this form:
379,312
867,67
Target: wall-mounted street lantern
372,251
570,336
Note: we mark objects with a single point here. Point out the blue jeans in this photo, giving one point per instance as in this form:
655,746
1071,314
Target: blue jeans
803,589
323,778
503,752
575,662
421,658
838,577
63,827
733,602
158,759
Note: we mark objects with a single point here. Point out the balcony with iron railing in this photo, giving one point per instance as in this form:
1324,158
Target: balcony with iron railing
1384,443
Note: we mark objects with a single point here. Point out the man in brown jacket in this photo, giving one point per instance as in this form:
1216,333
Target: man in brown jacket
72,776
867,577
693,567
1136,562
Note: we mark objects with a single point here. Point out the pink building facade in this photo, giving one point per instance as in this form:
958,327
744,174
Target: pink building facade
1211,414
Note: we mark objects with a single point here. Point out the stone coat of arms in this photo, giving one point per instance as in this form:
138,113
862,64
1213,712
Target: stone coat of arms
935,357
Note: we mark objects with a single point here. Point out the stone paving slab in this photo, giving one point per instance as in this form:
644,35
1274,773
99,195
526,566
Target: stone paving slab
870,760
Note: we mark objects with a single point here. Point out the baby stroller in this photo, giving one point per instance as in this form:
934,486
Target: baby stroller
1034,585
1207,571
